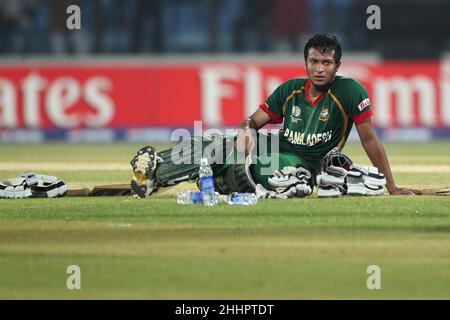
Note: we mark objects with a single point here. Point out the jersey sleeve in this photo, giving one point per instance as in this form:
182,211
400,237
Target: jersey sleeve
358,102
273,106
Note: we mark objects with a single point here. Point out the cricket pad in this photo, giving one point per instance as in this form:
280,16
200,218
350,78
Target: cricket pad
181,163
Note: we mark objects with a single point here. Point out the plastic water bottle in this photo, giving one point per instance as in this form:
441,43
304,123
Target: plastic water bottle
243,199
190,197
207,183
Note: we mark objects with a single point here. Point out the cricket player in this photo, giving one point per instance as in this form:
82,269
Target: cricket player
317,113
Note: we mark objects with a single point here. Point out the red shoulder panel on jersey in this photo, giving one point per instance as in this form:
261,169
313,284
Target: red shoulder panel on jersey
359,118
275,118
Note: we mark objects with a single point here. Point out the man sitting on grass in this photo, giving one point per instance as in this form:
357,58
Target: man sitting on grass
317,113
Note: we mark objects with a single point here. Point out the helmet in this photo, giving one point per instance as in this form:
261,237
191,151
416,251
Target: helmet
335,158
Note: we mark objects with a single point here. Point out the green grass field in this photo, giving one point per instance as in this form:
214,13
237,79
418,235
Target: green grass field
152,248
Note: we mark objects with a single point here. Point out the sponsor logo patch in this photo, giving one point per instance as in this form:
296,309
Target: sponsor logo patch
364,104
296,111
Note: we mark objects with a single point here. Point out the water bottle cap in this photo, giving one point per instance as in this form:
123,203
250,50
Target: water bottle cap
204,161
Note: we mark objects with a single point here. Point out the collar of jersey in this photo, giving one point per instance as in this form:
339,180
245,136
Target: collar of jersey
307,88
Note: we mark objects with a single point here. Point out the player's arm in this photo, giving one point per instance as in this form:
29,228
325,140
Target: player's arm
257,120
377,155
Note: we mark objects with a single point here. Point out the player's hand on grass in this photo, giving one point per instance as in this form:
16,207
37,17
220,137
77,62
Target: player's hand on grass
396,191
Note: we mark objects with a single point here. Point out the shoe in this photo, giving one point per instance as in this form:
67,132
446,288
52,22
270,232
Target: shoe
144,164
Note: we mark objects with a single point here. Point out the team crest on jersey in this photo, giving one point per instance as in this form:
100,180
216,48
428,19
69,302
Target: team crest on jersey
324,114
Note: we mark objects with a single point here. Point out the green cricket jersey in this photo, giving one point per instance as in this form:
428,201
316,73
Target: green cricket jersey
311,129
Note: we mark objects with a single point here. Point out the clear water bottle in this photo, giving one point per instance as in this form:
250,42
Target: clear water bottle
221,198
207,183
190,197
243,199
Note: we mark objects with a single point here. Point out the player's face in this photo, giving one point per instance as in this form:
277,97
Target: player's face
321,68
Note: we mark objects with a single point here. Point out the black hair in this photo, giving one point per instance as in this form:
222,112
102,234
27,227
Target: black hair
324,43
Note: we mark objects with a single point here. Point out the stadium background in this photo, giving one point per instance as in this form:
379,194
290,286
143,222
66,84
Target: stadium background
139,69
115,78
